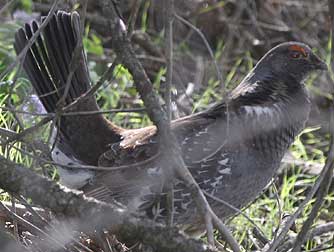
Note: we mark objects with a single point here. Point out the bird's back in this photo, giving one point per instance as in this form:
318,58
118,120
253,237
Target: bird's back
232,149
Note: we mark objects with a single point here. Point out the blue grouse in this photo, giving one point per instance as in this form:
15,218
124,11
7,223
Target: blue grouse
232,149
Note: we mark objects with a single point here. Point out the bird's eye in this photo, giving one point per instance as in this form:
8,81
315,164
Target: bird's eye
295,55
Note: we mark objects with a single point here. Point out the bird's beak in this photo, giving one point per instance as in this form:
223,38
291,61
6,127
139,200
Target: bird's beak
318,64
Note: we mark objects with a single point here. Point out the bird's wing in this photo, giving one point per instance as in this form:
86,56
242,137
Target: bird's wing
135,162
201,136
208,141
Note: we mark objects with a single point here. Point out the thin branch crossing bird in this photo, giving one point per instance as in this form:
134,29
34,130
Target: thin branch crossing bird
267,110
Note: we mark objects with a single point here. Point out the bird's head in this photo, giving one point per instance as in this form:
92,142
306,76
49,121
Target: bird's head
279,73
291,58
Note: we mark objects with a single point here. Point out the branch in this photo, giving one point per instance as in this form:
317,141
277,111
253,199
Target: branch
321,185
4,8
316,231
133,16
160,118
323,190
27,131
125,52
8,243
169,18
21,56
290,221
74,206
207,45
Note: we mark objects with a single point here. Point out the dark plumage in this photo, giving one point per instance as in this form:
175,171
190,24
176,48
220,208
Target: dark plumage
231,157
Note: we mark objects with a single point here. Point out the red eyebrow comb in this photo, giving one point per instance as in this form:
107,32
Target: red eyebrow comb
298,49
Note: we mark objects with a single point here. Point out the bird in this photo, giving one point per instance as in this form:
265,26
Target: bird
232,149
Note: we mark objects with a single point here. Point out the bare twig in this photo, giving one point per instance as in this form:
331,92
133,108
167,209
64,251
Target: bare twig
280,212
167,90
39,219
144,41
6,6
290,221
16,228
238,211
124,50
8,241
294,216
20,59
169,18
107,76
323,190
23,53
76,113
7,132
218,72
28,225
316,231
8,100
17,179
31,225
321,229
324,187
133,16
321,248
91,167
206,43
27,131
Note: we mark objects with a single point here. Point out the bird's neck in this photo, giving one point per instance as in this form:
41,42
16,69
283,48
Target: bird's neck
262,86
282,99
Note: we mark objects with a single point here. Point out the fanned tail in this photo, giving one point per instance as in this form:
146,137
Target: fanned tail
47,62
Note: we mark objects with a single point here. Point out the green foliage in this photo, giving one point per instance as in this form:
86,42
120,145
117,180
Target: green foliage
209,95
293,187
7,31
92,43
144,17
26,5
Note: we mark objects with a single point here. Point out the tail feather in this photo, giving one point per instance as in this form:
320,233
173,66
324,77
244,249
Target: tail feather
55,41
38,52
36,75
48,64
48,61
